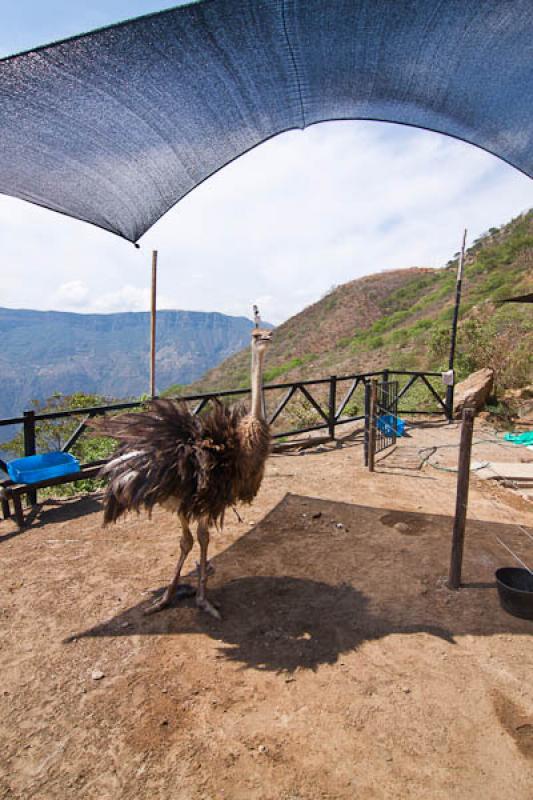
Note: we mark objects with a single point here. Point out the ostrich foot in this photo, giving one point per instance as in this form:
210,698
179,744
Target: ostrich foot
180,592
195,573
204,605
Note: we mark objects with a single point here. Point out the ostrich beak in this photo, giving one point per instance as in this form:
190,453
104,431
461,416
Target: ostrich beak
261,335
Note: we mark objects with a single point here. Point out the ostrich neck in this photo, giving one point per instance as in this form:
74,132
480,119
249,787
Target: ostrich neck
256,410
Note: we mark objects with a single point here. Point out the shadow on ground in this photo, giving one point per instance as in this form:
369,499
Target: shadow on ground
50,511
315,579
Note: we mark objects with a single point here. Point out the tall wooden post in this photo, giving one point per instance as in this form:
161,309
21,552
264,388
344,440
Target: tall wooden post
461,503
453,340
372,423
153,312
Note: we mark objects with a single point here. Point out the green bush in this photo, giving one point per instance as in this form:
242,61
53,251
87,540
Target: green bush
301,414
422,325
270,375
176,390
399,337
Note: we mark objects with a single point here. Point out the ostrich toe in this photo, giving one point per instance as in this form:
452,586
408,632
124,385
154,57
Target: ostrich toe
159,605
179,593
204,605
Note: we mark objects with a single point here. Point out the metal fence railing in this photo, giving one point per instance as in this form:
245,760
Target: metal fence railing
309,405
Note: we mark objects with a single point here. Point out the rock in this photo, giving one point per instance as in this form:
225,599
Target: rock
403,527
263,748
473,391
339,525
97,675
524,393
317,515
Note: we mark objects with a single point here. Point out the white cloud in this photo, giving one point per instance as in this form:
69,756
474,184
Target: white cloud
72,294
283,223
128,298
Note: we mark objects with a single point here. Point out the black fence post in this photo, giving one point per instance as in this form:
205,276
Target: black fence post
367,419
332,405
449,402
29,446
384,395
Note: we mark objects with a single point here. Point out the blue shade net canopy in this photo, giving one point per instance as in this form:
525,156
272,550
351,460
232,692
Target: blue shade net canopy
116,126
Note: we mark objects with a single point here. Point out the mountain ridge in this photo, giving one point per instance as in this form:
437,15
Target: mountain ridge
45,352
400,319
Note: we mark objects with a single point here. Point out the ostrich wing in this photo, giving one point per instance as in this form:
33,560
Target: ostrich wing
165,453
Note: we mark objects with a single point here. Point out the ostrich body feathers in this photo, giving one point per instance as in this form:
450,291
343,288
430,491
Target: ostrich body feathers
194,465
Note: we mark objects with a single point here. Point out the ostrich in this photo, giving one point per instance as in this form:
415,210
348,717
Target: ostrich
195,466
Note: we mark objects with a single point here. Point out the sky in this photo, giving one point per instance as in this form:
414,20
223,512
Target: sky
279,227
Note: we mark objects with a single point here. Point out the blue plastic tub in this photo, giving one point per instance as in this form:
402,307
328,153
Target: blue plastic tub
33,469
390,425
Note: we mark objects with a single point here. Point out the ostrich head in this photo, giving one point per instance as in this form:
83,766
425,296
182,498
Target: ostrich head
261,340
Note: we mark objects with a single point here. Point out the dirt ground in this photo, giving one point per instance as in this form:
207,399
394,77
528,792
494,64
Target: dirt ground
343,667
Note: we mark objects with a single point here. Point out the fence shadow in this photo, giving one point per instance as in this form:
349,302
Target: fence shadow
50,511
315,579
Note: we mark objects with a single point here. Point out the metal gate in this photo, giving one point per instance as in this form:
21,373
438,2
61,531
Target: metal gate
381,417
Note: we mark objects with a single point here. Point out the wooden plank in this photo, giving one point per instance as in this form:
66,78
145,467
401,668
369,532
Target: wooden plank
300,444
503,470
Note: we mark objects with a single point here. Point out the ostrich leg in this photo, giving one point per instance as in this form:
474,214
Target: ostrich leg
186,544
202,534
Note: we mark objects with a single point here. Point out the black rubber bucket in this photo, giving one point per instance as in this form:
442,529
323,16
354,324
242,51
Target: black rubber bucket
515,588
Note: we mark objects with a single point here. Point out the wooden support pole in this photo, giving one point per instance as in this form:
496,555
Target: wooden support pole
372,423
153,313
455,321
461,503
